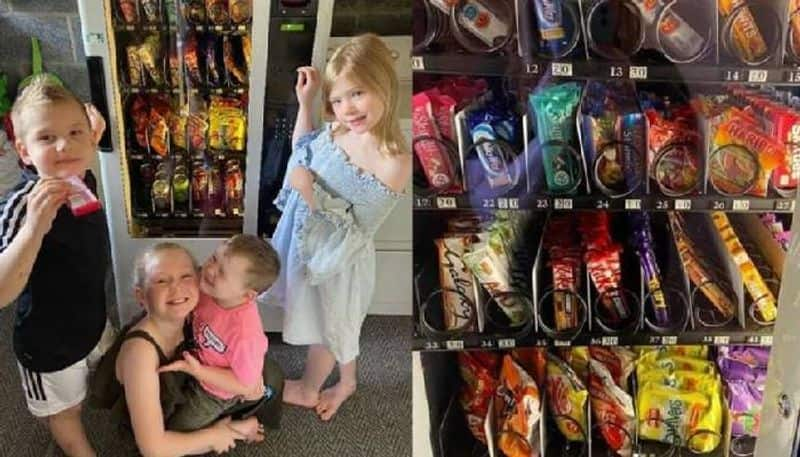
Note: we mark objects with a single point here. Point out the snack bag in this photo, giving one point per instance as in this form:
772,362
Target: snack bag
567,398
519,405
480,383
81,200
613,409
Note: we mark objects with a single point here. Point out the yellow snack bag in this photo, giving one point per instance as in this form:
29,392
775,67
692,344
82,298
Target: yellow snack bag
672,416
652,360
567,398
691,381
694,350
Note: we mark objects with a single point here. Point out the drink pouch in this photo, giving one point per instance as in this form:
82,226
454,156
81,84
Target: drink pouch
81,200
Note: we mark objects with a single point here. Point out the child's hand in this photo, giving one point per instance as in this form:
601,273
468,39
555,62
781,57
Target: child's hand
189,365
307,85
225,436
96,122
45,199
302,180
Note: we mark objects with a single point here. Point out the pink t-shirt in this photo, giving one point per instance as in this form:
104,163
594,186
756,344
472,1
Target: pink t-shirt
230,338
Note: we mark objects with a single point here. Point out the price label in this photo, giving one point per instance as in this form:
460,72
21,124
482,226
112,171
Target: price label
633,203
561,69
502,203
741,205
490,203
784,205
733,75
602,204
718,205
513,203
417,63
610,341
445,202
662,205
683,205
454,345
431,346
616,71
635,72
766,340
722,339
757,76
532,68
506,343
669,340
542,203
562,343
792,76
562,203
422,202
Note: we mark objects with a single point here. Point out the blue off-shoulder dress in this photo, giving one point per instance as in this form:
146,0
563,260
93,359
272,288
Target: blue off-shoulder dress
327,275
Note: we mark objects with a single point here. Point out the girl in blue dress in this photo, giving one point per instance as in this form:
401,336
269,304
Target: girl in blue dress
342,181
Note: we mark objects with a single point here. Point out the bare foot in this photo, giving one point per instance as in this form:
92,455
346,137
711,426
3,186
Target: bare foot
295,393
331,399
250,428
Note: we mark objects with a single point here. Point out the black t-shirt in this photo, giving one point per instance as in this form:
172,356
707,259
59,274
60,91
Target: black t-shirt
61,311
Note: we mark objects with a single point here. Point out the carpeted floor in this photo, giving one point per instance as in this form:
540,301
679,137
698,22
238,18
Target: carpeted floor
376,421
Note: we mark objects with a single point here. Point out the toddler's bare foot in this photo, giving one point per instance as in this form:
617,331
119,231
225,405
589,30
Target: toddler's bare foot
250,428
295,393
331,399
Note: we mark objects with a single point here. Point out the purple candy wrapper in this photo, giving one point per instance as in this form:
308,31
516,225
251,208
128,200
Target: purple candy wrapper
744,403
752,356
643,241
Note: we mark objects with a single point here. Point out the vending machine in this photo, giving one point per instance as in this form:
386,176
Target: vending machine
604,193
199,99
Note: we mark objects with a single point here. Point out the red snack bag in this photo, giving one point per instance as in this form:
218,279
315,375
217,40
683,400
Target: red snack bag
612,408
479,385
533,360
518,408
619,362
139,113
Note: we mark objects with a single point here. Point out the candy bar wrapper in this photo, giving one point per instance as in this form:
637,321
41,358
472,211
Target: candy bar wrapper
480,384
553,109
134,66
128,11
482,22
194,11
435,160
489,262
747,38
81,200
191,53
566,396
612,405
550,19
454,275
487,123
672,416
762,296
196,129
643,242
139,114
677,36
240,11
150,56
518,406
236,74
151,11
177,129
744,404
217,11
786,128
214,72
618,360
160,111
443,108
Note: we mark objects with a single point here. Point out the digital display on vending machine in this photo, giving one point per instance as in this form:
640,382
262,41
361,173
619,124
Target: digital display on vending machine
293,27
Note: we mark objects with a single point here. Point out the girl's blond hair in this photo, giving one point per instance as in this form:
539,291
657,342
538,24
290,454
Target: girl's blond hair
368,61
143,259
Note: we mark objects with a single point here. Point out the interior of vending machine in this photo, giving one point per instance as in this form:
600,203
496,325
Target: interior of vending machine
182,74
603,201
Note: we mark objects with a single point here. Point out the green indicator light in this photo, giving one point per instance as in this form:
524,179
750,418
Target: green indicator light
293,27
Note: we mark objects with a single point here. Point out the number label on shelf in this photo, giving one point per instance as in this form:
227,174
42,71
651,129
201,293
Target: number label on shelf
616,71
784,205
707,339
422,202
532,68
445,202
753,339
561,69
669,340
793,76
562,203
431,345
757,76
718,205
722,339
542,203
766,340
683,205
454,345
562,343
602,204
487,344
506,343
609,341
636,72
732,75
513,203
490,203
655,340
662,204
633,203
741,205
417,63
